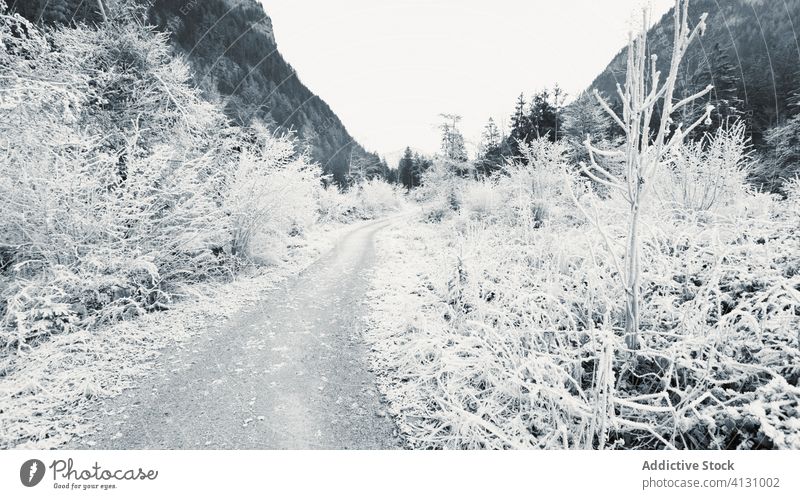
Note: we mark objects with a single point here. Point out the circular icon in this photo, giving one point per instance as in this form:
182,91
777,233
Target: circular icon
31,472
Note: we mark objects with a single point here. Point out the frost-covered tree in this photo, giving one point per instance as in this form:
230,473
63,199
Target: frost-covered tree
782,161
586,118
357,169
365,166
644,95
545,113
452,140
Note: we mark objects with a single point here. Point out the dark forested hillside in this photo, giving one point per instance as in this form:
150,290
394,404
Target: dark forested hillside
750,53
231,47
59,11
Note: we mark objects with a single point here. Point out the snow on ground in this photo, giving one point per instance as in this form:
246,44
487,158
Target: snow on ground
405,315
480,340
45,391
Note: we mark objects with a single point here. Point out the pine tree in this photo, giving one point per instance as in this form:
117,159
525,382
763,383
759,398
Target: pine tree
727,104
453,147
520,126
63,11
421,165
491,135
405,169
384,169
393,176
783,161
728,107
559,96
490,154
544,114
583,119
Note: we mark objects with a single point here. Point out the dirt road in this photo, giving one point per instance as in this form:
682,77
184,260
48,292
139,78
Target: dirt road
291,372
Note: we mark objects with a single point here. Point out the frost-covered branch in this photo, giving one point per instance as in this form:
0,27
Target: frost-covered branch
644,150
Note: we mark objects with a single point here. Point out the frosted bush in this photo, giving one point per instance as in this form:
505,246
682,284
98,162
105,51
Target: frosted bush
366,200
709,174
334,205
516,339
268,195
119,183
376,197
110,178
439,190
534,184
792,188
479,199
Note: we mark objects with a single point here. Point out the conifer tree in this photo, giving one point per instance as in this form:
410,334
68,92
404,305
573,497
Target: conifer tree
520,125
405,169
585,118
63,11
421,165
544,114
728,107
490,154
453,148
783,160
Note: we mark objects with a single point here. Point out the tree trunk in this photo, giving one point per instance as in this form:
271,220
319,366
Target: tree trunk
102,10
632,278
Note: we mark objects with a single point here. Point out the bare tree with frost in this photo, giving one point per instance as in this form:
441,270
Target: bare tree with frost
646,146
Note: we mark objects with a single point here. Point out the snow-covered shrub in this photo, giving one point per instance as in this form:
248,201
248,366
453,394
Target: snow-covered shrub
516,342
333,205
492,355
479,199
792,188
365,200
534,184
376,197
439,190
270,195
112,179
708,174
97,242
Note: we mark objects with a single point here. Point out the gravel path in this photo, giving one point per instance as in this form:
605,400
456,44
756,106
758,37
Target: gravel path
290,372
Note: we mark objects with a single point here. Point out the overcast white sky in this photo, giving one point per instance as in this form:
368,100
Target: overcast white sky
388,68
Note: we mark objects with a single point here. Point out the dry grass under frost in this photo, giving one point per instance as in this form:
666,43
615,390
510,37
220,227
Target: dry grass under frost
489,333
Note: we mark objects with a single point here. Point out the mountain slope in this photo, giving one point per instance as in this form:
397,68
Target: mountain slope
58,11
232,46
749,52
